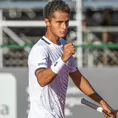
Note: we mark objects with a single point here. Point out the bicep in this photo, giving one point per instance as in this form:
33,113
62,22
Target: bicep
38,71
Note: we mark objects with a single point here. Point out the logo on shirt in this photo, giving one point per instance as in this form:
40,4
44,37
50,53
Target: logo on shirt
55,64
40,64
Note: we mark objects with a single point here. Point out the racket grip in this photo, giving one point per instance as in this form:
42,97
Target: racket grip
93,106
88,103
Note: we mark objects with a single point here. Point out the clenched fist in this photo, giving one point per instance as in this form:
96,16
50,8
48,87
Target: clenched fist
69,50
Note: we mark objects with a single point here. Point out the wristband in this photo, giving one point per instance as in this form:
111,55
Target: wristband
56,67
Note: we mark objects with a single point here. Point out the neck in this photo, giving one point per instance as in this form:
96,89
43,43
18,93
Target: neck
52,37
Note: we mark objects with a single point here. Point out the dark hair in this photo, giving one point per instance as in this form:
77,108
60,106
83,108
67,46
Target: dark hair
53,6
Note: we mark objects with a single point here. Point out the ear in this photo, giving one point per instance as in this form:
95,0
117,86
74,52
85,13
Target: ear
47,22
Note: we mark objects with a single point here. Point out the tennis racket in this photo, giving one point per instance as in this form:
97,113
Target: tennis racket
93,106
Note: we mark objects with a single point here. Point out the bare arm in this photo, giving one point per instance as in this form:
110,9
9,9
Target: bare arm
45,76
83,84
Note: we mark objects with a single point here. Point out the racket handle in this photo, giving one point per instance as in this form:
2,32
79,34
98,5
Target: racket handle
93,106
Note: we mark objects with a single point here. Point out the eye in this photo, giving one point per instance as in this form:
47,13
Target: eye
67,22
59,22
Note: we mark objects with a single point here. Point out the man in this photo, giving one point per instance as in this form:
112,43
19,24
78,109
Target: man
50,63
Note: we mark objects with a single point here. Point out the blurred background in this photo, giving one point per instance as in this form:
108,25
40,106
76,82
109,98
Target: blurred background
93,29
93,22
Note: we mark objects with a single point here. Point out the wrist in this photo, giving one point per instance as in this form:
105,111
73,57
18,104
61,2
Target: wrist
64,59
57,66
103,102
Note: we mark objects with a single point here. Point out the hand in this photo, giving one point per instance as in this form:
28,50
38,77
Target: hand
69,50
108,109
112,114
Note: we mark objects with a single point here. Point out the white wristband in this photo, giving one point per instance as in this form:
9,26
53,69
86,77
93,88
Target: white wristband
56,67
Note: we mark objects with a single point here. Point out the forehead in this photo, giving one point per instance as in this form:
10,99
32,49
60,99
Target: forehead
60,15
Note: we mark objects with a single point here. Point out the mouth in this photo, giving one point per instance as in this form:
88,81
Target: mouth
64,32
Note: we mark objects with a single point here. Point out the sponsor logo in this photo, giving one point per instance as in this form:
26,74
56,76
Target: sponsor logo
4,109
40,64
55,63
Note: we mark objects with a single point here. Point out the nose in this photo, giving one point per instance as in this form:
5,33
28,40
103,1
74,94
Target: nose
64,26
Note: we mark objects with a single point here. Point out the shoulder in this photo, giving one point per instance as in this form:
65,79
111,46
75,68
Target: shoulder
40,46
38,49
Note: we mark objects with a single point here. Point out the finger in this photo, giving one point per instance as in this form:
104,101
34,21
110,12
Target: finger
106,116
74,44
113,115
72,49
69,44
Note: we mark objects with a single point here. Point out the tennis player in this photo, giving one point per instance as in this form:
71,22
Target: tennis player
50,64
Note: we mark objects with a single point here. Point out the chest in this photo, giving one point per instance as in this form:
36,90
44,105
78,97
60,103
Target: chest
55,52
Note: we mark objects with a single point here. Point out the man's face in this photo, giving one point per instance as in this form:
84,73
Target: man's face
58,24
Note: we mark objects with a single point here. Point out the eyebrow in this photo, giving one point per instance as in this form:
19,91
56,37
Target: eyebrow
62,21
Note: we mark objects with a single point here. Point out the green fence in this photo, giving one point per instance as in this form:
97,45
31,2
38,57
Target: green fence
102,46
94,55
